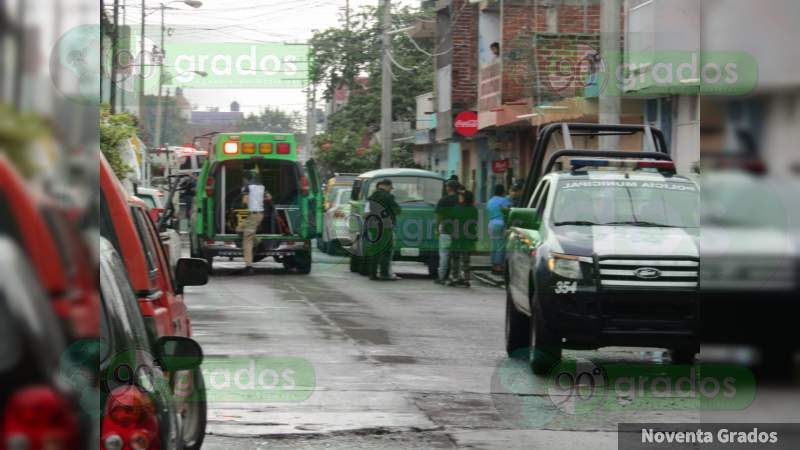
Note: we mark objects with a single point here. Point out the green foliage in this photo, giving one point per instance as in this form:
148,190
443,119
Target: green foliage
17,131
340,56
115,130
273,120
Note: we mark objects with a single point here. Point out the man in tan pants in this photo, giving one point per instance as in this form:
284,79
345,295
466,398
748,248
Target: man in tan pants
254,195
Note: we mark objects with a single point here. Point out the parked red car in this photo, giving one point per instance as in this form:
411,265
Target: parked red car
126,223
57,252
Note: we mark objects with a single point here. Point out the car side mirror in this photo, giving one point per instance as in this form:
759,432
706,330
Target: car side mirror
190,272
527,218
178,353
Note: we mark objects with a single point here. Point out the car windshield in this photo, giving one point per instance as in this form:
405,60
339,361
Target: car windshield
335,195
413,189
342,196
626,202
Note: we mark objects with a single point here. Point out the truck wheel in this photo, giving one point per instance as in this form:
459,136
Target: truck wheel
517,328
302,262
210,262
545,345
193,252
194,419
433,266
682,356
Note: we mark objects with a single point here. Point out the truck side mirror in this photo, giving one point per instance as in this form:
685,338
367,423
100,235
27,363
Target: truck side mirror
190,272
527,218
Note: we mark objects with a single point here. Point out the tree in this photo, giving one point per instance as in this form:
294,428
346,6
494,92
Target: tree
273,120
340,56
18,130
115,130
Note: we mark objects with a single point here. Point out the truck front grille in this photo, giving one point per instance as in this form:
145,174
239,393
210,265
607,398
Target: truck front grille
628,273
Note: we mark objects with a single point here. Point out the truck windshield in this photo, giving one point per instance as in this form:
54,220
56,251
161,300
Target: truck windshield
626,202
413,189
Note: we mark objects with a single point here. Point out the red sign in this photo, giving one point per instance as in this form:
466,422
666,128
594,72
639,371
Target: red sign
466,123
499,165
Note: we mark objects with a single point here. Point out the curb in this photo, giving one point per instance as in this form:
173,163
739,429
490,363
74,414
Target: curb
490,279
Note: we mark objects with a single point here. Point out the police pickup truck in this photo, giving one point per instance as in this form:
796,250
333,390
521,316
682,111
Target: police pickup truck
603,252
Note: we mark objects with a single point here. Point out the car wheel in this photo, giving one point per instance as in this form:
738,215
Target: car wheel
517,328
545,350
355,264
682,356
335,247
194,418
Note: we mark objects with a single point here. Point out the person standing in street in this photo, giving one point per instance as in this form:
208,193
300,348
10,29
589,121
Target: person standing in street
254,194
187,188
464,239
381,222
445,222
496,208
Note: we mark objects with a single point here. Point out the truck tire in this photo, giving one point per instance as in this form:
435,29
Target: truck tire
433,266
193,251
682,356
518,325
546,346
300,262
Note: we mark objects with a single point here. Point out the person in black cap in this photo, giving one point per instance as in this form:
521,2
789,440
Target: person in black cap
380,224
445,224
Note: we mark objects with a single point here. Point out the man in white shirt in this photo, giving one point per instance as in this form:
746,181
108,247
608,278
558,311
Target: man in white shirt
254,195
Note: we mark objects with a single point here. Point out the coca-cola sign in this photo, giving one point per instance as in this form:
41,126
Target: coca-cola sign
466,123
499,165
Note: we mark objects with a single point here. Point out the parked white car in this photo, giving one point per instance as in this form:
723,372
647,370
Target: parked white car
335,232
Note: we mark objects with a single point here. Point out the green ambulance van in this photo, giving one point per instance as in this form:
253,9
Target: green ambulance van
291,219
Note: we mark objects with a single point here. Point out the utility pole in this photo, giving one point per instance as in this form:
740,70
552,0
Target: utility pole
610,104
311,119
141,71
127,61
347,14
112,93
159,114
386,89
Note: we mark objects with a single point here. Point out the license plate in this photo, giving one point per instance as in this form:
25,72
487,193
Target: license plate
409,252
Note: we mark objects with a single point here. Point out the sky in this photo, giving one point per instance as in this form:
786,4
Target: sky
245,21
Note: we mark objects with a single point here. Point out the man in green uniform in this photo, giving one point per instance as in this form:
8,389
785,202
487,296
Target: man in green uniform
381,220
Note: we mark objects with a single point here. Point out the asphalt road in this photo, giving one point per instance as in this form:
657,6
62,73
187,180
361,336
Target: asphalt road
399,365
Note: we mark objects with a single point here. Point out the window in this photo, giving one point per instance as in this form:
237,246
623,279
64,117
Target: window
412,189
600,202
148,245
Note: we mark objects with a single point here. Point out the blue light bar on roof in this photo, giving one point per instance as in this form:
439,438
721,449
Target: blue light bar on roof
589,162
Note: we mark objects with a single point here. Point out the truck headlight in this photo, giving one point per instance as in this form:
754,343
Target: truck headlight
567,266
